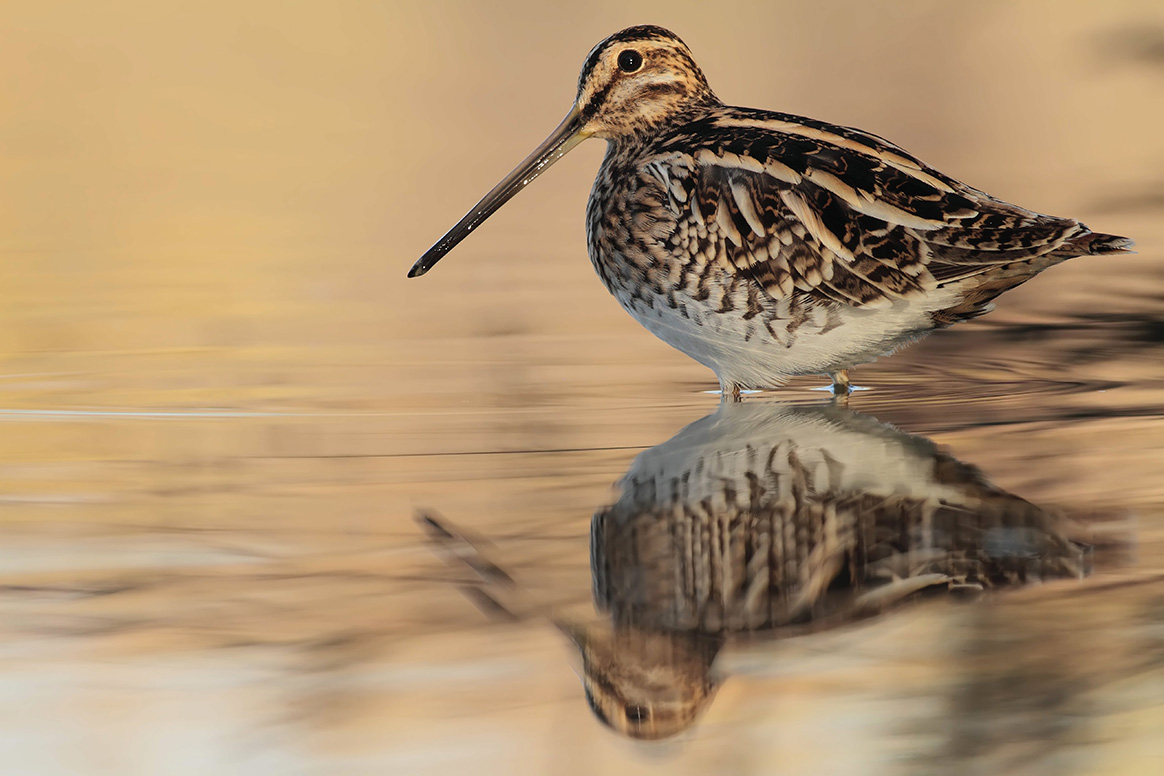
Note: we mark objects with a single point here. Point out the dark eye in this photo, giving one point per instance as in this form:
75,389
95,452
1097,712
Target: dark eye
637,714
630,61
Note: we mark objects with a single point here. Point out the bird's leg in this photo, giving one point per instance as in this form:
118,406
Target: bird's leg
729,392
841,384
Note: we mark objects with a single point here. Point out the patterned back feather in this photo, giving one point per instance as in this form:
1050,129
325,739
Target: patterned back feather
848,217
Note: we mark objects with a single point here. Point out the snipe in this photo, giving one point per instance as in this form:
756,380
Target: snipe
766,245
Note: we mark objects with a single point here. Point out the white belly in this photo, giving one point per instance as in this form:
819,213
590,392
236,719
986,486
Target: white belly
762,352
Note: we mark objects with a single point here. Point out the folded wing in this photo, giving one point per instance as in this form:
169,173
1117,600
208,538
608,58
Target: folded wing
844,215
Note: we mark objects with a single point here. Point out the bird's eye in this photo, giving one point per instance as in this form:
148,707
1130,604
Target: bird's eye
630,61
637,714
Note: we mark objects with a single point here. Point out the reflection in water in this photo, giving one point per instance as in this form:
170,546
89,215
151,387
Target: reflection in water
221,400
768,517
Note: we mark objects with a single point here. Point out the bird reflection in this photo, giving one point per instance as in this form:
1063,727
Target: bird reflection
767,519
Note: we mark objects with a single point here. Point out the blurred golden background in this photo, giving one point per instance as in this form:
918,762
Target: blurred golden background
253,179
222,399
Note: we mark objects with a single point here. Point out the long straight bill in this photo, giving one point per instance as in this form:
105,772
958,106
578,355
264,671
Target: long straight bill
558,144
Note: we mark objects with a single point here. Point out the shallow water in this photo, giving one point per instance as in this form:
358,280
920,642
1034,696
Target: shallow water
222,410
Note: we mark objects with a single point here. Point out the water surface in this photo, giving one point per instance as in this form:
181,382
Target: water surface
222,408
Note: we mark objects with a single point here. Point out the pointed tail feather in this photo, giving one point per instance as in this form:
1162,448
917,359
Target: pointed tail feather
1093,243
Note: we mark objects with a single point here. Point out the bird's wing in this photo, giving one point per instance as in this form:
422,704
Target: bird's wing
842,214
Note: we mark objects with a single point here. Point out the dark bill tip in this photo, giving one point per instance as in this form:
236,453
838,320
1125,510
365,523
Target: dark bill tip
436,253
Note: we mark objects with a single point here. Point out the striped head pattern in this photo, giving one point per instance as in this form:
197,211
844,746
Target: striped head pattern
637,79
632,83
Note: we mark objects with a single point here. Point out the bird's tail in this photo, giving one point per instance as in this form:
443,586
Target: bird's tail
1093,243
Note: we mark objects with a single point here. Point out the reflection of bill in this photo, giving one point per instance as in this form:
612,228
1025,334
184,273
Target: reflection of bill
767,519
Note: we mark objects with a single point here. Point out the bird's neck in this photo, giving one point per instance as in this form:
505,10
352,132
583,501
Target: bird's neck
647,132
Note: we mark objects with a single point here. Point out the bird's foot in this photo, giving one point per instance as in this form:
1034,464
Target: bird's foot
841,384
